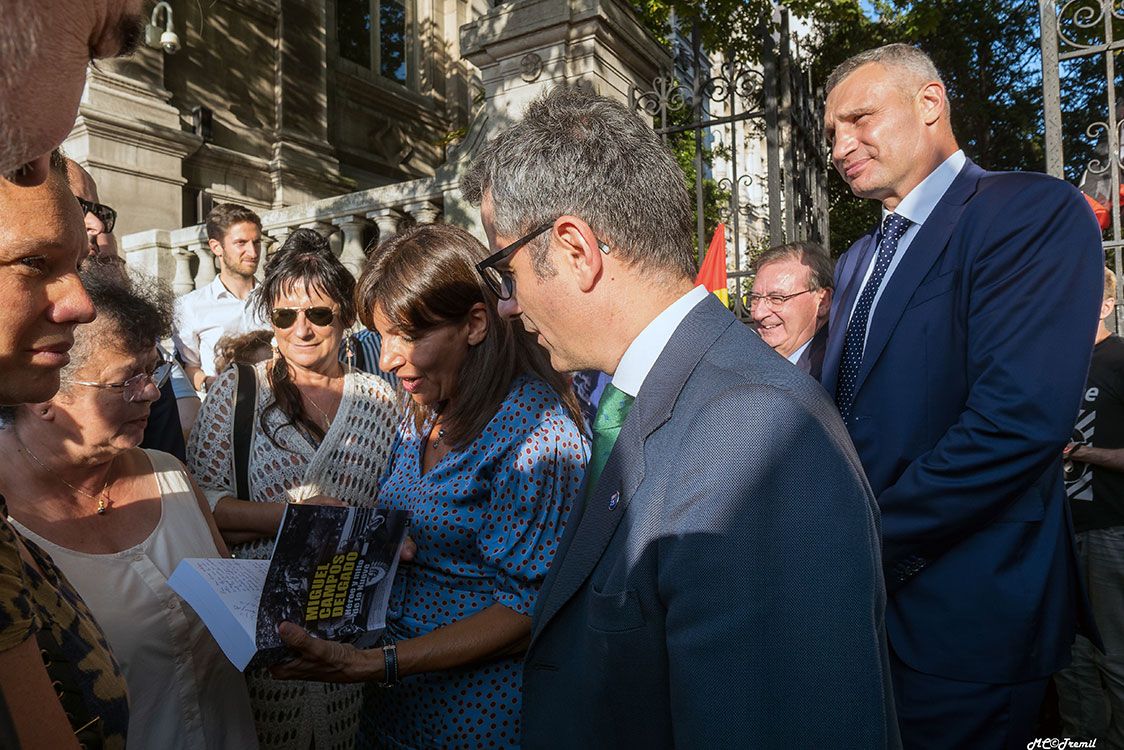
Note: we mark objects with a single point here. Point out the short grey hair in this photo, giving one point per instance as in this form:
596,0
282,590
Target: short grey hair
901,56
821,267
575,152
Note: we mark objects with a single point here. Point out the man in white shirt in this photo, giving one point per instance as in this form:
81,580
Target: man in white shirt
958,346
719,586
223,306
790,301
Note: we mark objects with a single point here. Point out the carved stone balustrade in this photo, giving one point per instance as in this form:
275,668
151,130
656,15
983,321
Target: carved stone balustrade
345,220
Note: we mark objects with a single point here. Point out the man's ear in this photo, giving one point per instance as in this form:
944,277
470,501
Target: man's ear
216,247
933,101
823,310
477,323
580,253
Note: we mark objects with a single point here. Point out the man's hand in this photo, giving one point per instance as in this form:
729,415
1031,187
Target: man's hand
1076,452
325,661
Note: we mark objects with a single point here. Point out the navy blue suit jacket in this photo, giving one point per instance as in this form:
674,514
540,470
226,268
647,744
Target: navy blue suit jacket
722,586
970,382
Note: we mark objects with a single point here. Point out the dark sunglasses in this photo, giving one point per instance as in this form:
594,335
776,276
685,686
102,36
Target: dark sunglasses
285,317
105,214
500,280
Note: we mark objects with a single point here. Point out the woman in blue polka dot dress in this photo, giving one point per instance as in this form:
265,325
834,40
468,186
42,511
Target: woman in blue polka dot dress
490,460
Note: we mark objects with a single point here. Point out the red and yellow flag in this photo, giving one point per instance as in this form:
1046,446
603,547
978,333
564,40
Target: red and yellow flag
712,274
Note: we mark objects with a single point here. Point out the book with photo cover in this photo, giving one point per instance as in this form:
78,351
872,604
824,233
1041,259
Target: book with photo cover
331,573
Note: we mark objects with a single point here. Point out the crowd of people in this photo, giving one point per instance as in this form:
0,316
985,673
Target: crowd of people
868,520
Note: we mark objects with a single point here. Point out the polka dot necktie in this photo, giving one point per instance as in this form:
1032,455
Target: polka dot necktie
893,227
612,410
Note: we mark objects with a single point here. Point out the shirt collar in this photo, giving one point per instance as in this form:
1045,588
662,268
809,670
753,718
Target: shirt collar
920,202
646,348
219,290
795,356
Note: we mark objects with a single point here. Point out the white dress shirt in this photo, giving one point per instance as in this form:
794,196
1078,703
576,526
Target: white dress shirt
915,206
795,356
204,316
646,348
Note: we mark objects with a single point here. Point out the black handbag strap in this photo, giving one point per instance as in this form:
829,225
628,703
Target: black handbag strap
245,404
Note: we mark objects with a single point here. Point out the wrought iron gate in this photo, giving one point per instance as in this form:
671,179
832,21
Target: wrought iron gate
758,148
1080,43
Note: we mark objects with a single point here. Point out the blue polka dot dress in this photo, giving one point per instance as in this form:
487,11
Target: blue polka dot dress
487,521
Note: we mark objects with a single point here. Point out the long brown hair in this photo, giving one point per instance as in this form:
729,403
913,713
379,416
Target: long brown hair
426,277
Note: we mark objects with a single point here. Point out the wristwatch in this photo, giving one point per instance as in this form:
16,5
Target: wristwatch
390,665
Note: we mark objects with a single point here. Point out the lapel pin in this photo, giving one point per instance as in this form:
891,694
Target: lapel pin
614,500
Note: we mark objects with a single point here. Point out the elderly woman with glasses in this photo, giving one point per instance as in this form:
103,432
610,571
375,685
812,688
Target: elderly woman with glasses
320,432
116,520
490,459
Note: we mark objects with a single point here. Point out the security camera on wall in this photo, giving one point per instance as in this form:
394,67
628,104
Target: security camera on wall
165,39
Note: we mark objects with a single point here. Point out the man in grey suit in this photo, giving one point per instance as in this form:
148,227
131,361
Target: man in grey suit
720,585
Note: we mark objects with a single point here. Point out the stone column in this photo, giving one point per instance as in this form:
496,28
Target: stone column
304,167
183,282
524,48
424,212
151,253
387,221
129,137
352,255
207,260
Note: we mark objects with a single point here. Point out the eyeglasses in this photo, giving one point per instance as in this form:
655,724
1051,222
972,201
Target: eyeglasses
133,389
774,301
105,214
286,317
500,280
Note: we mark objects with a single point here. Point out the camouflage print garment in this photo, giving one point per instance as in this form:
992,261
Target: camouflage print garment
42,603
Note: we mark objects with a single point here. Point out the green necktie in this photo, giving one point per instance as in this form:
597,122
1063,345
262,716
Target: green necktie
611,413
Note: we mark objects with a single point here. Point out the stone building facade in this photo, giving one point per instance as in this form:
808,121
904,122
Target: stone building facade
273,103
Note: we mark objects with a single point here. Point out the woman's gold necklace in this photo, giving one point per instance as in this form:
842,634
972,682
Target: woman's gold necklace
324,414
103,499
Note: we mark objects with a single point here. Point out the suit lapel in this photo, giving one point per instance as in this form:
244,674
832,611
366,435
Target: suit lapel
625,468
919,257
850,278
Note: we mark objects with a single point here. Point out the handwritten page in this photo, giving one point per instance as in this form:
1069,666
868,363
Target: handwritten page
238,583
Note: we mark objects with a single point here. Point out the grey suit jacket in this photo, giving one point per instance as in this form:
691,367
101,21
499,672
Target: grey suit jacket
722,588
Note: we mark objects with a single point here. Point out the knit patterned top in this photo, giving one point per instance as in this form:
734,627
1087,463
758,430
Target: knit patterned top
347,464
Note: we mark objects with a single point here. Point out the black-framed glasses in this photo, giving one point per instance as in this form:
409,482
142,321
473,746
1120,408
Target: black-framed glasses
286,317
500,280
774,301
106,215
133,389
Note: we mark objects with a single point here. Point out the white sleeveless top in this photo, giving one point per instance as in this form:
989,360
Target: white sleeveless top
183,692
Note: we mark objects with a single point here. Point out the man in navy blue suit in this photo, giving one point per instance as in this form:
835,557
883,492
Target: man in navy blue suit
960,337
